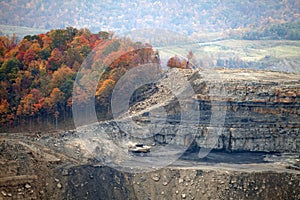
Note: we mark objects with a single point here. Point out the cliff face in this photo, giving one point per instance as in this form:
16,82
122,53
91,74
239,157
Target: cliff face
260,110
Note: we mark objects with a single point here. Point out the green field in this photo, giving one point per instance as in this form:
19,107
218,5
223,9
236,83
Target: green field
273,53
248,50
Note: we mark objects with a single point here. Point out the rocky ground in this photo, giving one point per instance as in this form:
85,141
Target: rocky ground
40,168
255,157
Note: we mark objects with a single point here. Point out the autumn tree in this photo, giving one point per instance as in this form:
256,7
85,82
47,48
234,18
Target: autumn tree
73,56
103,94
59,38
54,102
29,56
9,69
26,108
55,60
4,110
4,93
63,79
174,62
6,44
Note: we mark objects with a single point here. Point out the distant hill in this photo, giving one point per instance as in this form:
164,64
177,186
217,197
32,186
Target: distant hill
189,17
20,31
290,31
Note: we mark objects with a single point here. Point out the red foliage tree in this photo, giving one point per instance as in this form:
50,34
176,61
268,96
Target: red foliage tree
55,60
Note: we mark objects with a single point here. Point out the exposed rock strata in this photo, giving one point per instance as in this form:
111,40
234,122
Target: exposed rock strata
260,109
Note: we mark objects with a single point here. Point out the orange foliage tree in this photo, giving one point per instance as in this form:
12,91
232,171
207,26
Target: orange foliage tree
175,62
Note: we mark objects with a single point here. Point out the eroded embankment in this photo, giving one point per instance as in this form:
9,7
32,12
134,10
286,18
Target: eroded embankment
182,183
30,171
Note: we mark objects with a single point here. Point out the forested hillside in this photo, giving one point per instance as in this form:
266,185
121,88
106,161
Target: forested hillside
287,31
37,74
189,17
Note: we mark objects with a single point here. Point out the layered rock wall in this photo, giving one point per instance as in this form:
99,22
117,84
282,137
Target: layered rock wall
260,110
